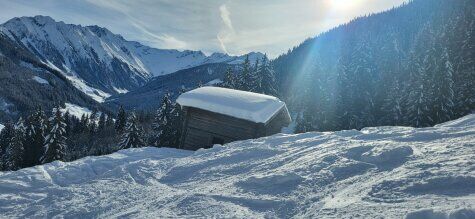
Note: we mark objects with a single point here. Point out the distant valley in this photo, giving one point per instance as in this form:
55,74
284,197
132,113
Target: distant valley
93,60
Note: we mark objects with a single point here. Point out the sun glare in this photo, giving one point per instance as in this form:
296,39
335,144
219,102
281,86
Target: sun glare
345,4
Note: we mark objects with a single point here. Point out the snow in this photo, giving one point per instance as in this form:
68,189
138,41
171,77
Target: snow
73,40
40,80
121,90
214,82
249,106
75,110
1,127
382,172
96,94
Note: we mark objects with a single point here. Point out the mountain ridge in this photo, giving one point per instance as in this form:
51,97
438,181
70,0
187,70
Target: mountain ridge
99,62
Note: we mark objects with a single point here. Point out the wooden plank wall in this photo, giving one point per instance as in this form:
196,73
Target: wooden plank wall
201,126
277,123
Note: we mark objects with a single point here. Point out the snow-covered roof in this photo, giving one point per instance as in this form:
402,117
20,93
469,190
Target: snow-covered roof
258,108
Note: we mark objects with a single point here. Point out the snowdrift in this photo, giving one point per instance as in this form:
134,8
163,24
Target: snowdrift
390,172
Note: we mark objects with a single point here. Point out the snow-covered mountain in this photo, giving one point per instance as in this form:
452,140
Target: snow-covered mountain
146,97
382,172
99,62
26,83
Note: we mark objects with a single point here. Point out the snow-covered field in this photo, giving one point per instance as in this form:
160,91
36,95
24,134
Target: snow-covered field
76,111
384,172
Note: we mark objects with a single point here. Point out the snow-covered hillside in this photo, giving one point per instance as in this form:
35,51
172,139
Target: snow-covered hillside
95,58
384,172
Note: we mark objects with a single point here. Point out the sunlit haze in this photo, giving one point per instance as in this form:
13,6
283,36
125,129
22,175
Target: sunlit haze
234,27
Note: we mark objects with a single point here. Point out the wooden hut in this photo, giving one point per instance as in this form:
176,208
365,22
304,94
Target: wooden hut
216,115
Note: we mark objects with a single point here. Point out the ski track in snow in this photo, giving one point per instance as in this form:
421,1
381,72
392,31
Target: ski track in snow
383,172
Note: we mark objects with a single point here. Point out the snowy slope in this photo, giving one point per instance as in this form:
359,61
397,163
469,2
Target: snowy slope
384,172
76,111
1,127
95,57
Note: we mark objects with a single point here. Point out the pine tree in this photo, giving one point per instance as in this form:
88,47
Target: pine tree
418,113
465,77
229,79
55,141
265,81
121,121
15,151
345,96
365,76
110,125
35,140
163,123
68,122
305,121
83,125
133,135
421,91
253,80
444,90
245,79
6,136
92,122
393,105
101,125
177,125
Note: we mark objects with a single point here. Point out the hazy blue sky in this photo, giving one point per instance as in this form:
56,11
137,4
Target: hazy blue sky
232,26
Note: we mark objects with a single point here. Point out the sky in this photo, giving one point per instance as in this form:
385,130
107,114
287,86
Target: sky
231,26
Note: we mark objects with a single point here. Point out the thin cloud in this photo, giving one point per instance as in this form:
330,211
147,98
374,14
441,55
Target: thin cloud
227,31
234,27
225,15
159,40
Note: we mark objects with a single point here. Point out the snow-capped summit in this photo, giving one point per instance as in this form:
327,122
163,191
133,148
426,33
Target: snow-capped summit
98,61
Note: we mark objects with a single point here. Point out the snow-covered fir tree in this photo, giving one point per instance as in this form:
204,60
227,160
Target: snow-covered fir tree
6,136
55,141
68,121
92,126
444,106
230,80
121,120
133,134
35,137
15,151
101,124
392,106
167,124
418,112
109,122
305,121
245,80
265,78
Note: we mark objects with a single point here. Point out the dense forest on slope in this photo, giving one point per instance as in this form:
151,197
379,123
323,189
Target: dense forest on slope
27,83
412,65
